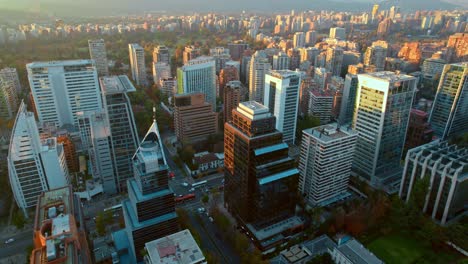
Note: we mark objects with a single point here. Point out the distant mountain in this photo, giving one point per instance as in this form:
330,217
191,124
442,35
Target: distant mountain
113,7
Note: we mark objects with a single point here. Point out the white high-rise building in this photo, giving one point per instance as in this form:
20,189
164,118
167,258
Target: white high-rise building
381,116
34,165
9,88
281,61
61,89
282,98
198,75
137,64
338,33
161,54
97,52
161,70
259,66
325,163
299,40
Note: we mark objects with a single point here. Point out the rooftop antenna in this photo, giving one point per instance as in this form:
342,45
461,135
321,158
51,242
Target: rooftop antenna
154,113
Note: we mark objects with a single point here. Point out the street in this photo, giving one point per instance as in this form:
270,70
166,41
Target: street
19,246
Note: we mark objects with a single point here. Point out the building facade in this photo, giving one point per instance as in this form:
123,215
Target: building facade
281,61
259,66
161,54
137,64
232,98
419,130
321,105
97,52
9,89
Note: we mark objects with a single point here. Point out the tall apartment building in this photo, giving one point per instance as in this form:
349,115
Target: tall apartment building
34,165
446,166
334,60
168,86
384,28
221,56
383,105
161,70
61,89
295,58
321,105
309,54
282,98
325,163
194,119
149,211
419,130
322,77
311,37
259,66
198,75
281,61
236,49
58,235
432,68
375,11
190,53
349,98
137,64
161,54
226,75
9,89
375,56
337,33
245,69
97,52
69,150
457,47
232,98
260,177
123,131
299,40
449,114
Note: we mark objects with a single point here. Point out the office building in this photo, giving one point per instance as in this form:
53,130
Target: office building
449,115
198,75
34,165
58,235
334,60
97,52
232,98
221,56
432,69
299,40
282,98
259,66
349,98
149,211
69,150
457,48
9,89
375,56
321,105
177,248
311,37
337,33
236,49
419,130
161,54
61,89
260,177
294,55
137,64
227,74
194,119
381,115
123,132
445,168
161,70
168,86
325,163
281,61
190,53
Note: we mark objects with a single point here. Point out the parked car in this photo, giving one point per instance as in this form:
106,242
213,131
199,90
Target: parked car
185,184
10,240
201,210
211,219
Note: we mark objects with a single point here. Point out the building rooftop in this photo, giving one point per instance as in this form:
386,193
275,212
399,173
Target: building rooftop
253,107
388,76
178,248
330,132
357,253
283,74
116,84
273,232
38,64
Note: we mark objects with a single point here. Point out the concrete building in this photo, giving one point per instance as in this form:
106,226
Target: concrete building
34,165
419,130
337,33
445,168
311,37
294,55
198,75
259,66
236,49
58,235
281,61
350,251
299,40
349,99
322,77
190,53
137,64
177,248
97,52
61,89
227,74
381,115
168,86
232,98
334,60
260,177
9,89
432,69
375,56
282,98
221,56
161,70
457,47
449,114
161,54
321,105
325,163
194,119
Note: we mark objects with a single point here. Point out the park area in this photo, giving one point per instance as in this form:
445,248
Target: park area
406,249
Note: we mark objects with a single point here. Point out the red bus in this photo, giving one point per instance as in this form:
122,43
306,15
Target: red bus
184,198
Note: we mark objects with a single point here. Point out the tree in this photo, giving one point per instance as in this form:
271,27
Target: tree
100,225
18,219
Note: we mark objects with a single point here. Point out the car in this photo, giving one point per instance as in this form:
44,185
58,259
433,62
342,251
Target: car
192,190
211,219
201,210
10,240
180,195
185,184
